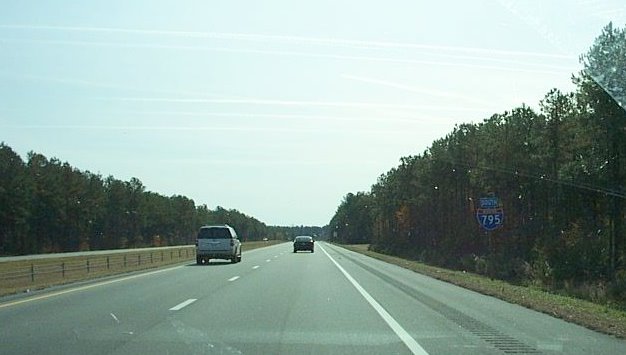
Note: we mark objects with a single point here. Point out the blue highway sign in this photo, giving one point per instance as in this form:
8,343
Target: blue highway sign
489,202
490,218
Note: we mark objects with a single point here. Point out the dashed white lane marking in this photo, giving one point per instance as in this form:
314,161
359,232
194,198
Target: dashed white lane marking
275,256
114,317
182,305
233,278
268,260
406,338
255,267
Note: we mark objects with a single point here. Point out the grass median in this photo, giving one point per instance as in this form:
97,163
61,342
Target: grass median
34,274
602,318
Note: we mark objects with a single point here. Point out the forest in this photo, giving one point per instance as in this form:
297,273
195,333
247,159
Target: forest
558,171
49,206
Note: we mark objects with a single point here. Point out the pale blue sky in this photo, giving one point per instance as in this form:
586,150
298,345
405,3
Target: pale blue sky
276,108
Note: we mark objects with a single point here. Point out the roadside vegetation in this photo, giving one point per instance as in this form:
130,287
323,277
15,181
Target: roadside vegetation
48,206
559,172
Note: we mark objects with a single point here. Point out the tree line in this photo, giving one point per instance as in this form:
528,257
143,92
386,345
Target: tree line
49,206
559,173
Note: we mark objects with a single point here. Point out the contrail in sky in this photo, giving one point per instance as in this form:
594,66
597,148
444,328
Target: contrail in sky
164,128
430,92
265,162
356,118
96,84
553,70
200,128
324,41
386,118
268,102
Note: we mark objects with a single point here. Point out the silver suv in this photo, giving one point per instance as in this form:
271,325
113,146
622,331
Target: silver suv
217,242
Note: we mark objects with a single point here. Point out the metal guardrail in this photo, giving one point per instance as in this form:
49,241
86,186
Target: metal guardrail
31,271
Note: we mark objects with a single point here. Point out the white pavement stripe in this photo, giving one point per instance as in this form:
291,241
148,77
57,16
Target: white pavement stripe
268,260
182,305
406,338
255,267
114,317
233,278
82,288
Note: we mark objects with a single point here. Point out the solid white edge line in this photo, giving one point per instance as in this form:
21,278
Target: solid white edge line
406,338
82,288
255,267
233,278
182,305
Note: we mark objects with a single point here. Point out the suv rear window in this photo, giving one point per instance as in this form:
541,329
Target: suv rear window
214,233
303,239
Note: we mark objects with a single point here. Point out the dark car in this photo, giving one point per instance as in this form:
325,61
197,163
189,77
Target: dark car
303,242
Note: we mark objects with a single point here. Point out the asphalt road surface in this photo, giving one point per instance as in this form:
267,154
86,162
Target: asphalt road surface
276,302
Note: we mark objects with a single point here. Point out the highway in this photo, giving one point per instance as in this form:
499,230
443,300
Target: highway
333,301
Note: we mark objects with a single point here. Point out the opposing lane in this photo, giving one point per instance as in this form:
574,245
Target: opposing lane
279,302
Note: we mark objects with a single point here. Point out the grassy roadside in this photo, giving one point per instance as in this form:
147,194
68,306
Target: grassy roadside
590,315
35,274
